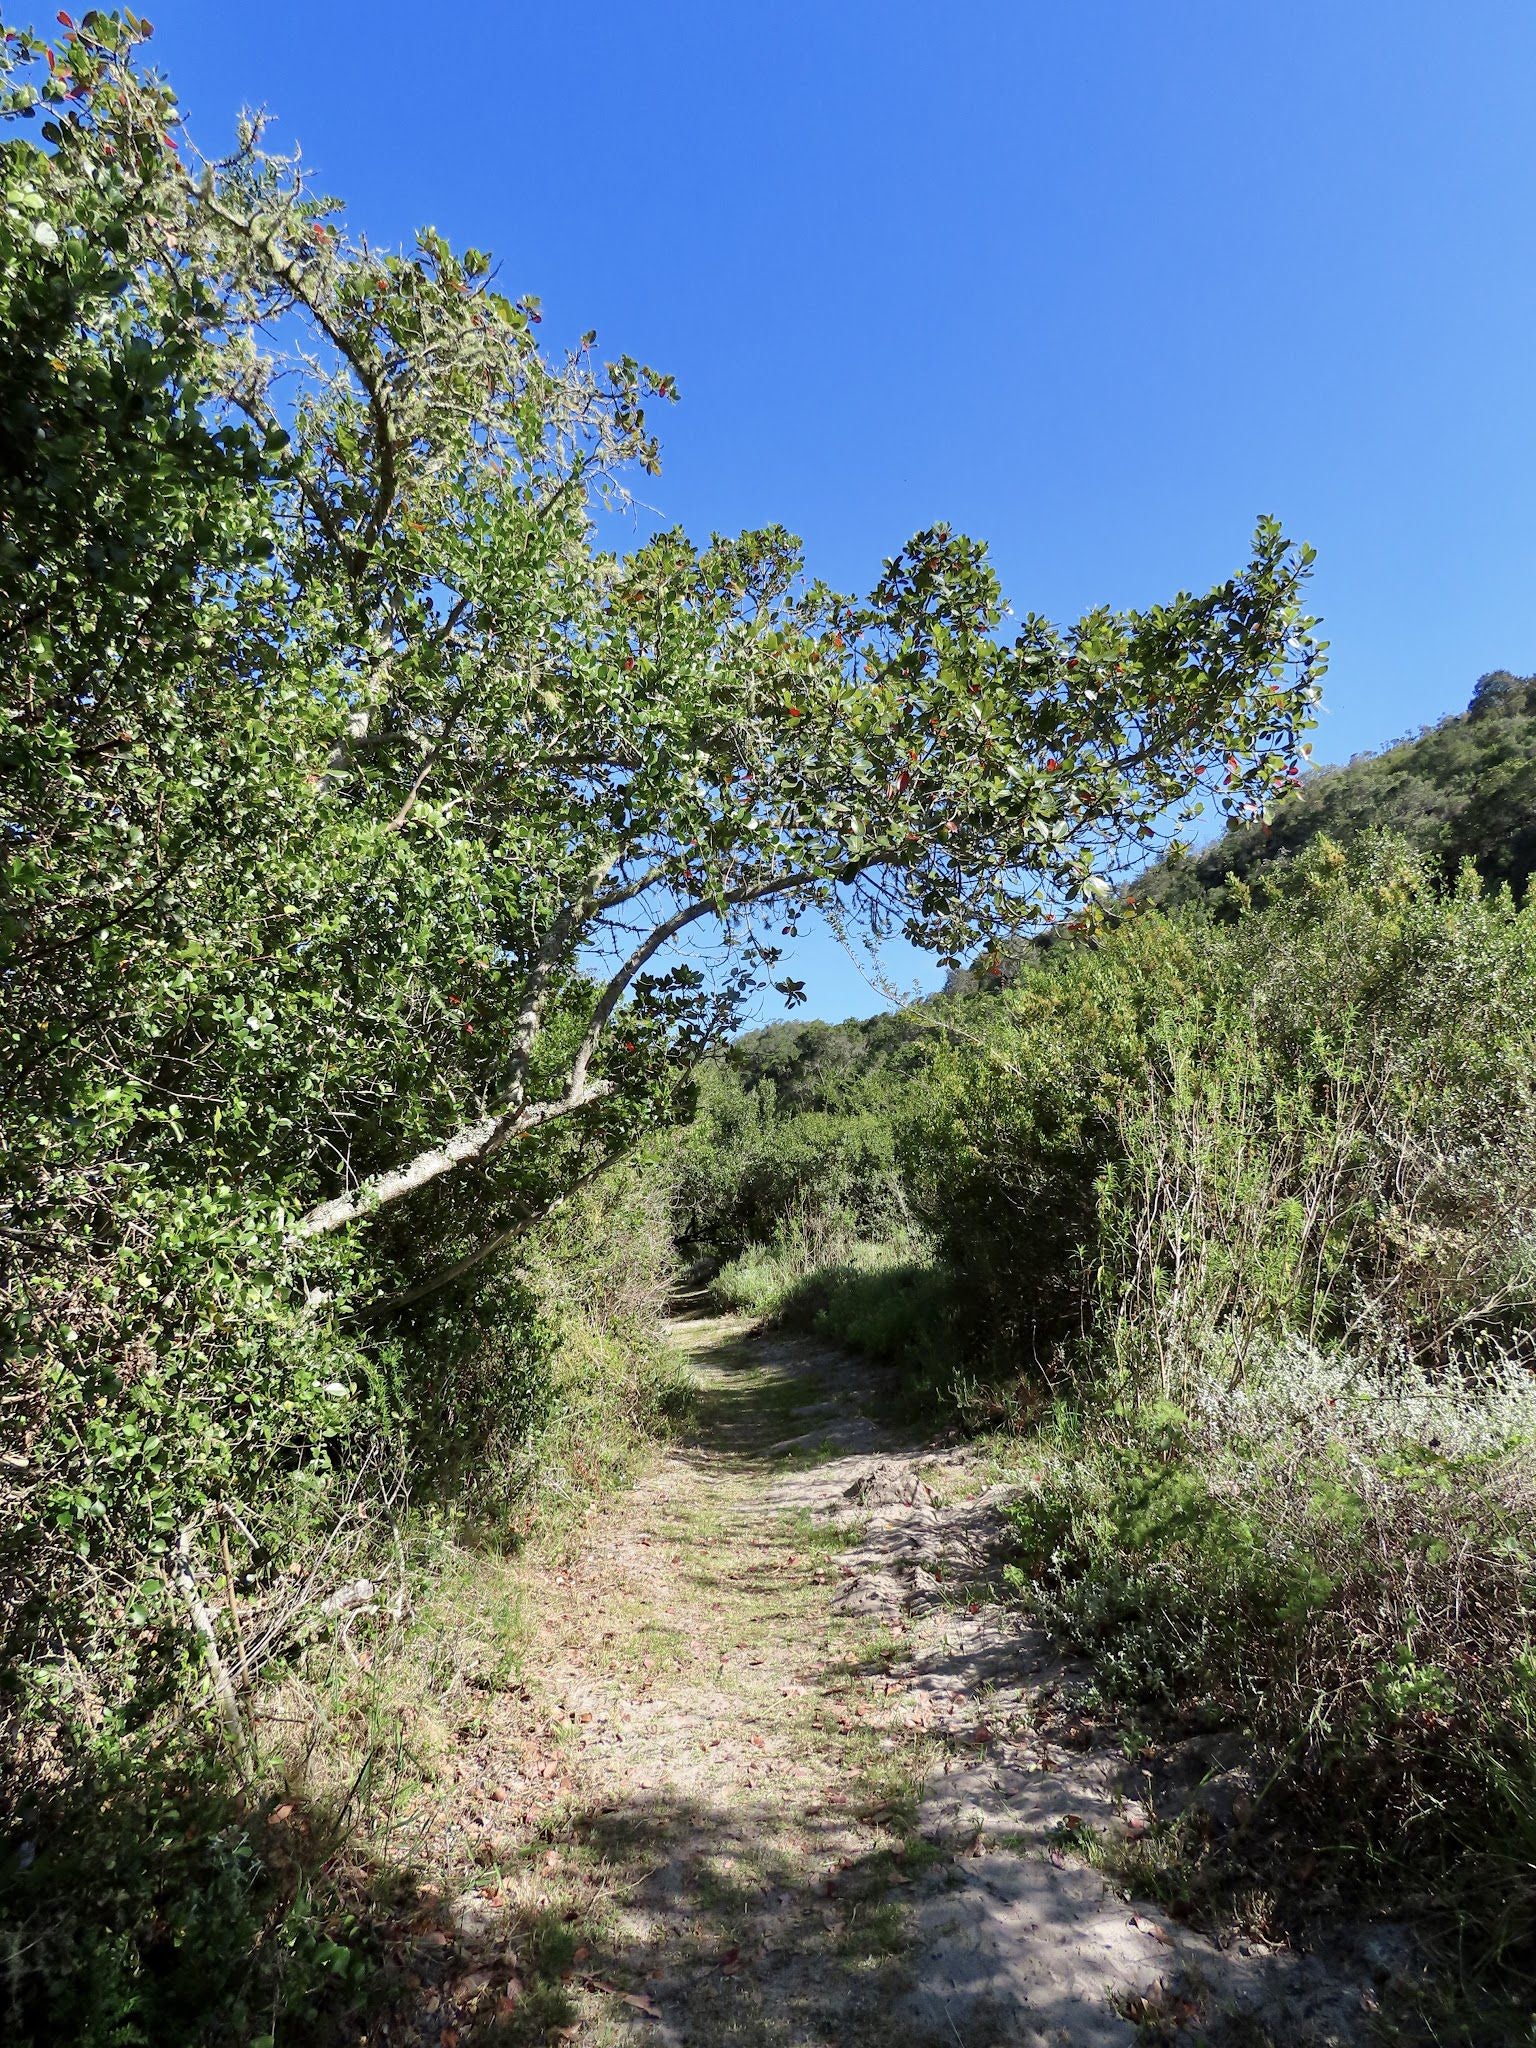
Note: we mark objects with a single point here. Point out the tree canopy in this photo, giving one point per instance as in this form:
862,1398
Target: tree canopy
403,785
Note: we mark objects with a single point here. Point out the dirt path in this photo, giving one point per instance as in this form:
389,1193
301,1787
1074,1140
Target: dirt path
779,1771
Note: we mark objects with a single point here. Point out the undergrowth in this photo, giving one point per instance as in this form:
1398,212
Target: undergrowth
173,1881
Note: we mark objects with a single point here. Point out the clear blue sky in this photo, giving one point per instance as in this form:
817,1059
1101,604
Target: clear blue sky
1097,282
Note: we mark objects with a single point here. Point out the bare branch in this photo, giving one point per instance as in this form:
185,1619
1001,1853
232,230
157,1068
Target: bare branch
473,1142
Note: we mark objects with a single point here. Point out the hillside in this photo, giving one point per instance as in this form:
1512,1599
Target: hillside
1464,789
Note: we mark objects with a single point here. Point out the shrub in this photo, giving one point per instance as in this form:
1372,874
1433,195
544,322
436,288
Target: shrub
743,1175
1341,1562
1283,1174
1318,1120
1005,1159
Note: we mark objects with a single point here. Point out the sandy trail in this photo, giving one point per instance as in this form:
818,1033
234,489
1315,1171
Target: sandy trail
784,1772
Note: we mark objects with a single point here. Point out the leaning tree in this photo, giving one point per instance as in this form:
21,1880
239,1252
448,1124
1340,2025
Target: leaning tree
412,834
384,844
534,767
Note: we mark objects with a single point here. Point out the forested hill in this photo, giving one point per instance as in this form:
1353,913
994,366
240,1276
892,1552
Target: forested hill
1462,789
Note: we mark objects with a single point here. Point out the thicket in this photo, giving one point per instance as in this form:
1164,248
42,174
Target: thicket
1296,1311
791,1149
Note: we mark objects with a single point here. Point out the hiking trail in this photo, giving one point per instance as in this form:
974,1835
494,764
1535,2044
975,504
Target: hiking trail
781,1771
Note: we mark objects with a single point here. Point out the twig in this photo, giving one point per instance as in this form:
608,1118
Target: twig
234,1611
202,1621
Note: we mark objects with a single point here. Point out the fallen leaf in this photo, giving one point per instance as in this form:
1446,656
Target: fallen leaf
470,1985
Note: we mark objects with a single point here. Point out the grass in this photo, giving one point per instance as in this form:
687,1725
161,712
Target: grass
814,1533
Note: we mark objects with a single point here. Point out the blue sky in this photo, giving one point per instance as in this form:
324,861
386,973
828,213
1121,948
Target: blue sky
1097,283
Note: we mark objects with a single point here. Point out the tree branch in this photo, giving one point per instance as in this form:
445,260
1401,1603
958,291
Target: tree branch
613,993
494,1243
473,1142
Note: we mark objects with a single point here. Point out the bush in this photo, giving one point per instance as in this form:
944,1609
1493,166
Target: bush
743,1175
1004,1159
1340,1562
149,1895
1318,1120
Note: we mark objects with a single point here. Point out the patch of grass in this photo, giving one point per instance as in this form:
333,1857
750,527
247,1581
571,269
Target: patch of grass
812,1532
877,1651
812,1454
882,1301
874,1927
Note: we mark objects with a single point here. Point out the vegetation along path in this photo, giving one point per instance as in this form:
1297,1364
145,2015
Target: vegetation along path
782,1771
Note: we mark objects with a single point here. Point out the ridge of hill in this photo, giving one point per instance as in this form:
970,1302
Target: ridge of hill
1461,789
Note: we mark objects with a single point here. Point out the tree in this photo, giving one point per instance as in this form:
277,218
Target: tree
546,762
362,809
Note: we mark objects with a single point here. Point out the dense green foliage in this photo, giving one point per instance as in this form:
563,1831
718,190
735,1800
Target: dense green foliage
793,1139
1315,1119
382,854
